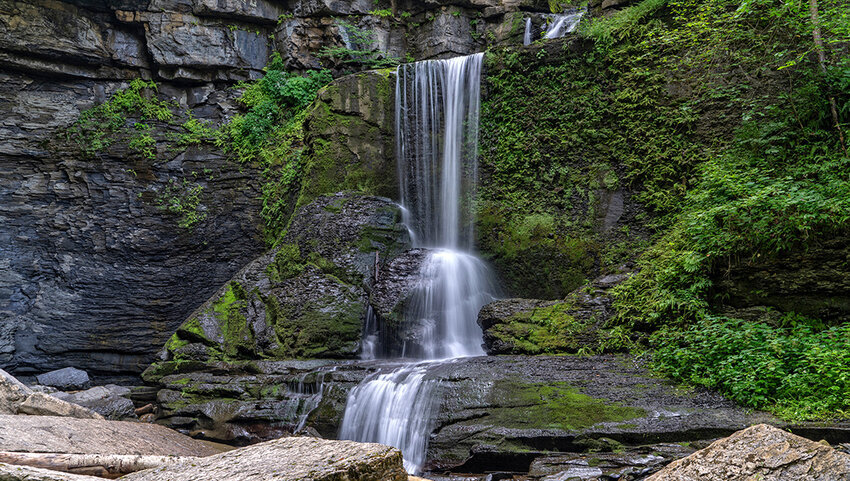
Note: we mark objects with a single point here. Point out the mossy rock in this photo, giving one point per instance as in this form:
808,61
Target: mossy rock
306,298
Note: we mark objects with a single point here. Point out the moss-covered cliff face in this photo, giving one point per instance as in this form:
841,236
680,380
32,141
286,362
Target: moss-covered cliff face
697,139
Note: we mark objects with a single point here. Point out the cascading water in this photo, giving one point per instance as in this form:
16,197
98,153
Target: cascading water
560,25
526,38
437,109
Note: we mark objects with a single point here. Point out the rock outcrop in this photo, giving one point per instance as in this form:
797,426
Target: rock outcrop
533,326
303,299
16,398
52,434
760,452
9,472
289,459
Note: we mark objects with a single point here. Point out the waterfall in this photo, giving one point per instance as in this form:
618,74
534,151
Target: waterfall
560,25
437,113
526,38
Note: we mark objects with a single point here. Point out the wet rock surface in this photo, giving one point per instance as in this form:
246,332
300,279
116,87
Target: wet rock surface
500,413
503,412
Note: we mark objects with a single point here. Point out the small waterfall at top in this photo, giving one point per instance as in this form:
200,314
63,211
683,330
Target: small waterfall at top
526,38
560,25
437,109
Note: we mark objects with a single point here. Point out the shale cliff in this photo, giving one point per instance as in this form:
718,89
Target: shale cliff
109,240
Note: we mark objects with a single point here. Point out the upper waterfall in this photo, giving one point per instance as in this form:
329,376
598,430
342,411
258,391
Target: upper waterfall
437,110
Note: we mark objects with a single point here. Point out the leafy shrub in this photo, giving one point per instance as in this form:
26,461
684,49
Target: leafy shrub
799,371
272,101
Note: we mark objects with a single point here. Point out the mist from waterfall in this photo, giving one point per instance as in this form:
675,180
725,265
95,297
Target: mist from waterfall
437,117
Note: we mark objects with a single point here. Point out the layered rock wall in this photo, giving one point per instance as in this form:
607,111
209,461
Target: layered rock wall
93,272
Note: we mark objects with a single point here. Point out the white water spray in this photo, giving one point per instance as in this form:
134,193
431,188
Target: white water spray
560,25
526,38
437,113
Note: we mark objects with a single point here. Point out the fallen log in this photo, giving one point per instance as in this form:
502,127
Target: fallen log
101,465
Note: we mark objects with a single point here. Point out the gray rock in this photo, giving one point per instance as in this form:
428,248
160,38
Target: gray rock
101,279
624,464
304,299
16,398
40,404
760,452
51,434
12,393
10,472
68,379
108,401
289,459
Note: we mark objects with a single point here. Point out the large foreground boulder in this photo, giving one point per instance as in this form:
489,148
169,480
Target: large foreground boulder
289,459
760,452
52,434
9,472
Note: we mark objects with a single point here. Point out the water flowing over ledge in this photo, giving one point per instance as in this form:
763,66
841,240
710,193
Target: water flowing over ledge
437,116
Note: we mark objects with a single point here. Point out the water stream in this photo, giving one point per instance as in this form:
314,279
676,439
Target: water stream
555,26
437,113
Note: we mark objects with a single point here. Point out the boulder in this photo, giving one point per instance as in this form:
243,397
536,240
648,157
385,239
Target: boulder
10,472
51,434
40,404
289,459
12,393
16,398
66,379
108,401
306,298
760,452
532,326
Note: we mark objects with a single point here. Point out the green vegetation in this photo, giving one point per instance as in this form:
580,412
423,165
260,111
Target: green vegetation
552,406
715,117
271,132
365,54
798,369
184,200
99,127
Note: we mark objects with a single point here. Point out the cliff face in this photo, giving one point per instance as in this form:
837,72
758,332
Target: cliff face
98,264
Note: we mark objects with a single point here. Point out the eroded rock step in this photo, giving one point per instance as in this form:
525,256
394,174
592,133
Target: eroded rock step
514,414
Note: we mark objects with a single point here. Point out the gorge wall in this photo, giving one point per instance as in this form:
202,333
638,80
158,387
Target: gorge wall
105,251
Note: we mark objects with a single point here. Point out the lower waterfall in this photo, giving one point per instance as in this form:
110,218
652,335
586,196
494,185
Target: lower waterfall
437,113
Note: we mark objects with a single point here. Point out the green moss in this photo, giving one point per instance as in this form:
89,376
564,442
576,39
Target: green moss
238,336
175,342
551,406
545,330
326,327
287,263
